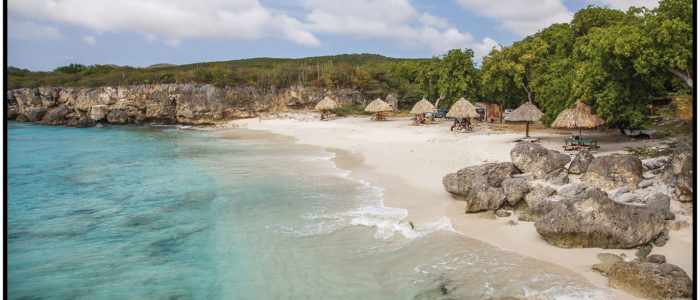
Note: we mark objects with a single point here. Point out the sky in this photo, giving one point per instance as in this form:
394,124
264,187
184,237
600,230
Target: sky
45,34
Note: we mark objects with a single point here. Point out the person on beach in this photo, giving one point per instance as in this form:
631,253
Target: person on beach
491,119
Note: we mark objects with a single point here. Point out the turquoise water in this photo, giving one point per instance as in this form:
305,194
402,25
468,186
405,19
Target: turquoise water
133,212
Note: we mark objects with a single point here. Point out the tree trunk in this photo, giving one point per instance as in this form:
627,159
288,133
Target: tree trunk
529,93
680,74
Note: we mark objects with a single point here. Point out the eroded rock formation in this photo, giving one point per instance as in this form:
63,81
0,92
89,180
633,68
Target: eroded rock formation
160,103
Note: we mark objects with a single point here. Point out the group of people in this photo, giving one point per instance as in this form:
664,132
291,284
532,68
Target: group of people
463,124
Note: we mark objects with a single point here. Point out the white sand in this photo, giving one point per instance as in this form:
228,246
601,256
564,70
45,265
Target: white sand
410,161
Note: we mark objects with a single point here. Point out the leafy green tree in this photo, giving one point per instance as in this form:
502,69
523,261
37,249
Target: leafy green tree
453,75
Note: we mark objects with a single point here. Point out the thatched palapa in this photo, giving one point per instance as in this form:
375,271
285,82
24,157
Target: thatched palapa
378,106
326,104
462,109
423,107
578,117
527,113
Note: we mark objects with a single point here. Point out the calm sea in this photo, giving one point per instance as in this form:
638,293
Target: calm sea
135,212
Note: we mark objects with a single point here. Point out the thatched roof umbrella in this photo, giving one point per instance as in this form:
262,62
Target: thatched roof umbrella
326,104
527,113
578,117
378,106
423,107
462,109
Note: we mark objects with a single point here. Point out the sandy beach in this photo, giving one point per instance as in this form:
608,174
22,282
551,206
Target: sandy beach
409,162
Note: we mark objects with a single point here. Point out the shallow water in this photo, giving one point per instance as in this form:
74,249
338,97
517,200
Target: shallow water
161,212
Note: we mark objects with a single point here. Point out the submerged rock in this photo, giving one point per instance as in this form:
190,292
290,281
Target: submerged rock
534,158
591,219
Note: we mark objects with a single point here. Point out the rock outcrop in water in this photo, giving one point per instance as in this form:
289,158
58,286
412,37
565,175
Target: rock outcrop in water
649,277
160,103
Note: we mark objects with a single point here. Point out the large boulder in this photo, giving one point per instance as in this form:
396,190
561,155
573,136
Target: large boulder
614,171
515,189
679,171
537,194
99,112
591,219
56,116
531,157
85,122
651,278
580,163
35,114
480,185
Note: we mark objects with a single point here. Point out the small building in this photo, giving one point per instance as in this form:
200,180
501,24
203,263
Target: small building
488,110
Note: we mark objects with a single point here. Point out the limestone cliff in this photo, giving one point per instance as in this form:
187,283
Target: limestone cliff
160,103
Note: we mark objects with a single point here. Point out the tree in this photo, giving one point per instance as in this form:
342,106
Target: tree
664,38
517,63
453,75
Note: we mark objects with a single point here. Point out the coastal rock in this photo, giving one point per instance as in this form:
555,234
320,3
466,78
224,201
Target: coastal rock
542,208
168,103
480,185
561,178
56,116
85,122
580,163
655,163
515,189
34,114
679,171
645,184
537,194
572,189
649,279
99,112
643,251
614,171
591,219
607,261
524,176
661,240
662,203
502,213
531,157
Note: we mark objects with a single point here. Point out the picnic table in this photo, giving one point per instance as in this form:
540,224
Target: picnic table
379,117
571,144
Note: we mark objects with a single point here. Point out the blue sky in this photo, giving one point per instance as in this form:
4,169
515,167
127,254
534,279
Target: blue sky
45,34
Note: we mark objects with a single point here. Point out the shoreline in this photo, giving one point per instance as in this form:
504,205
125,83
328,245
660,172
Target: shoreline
408,162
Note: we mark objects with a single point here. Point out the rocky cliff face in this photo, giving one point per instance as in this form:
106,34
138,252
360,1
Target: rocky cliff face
160,103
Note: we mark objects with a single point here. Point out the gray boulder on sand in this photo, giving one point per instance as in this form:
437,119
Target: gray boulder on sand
531,157
480,185
649,277
591,219
614,171
679,171
580,163
515,189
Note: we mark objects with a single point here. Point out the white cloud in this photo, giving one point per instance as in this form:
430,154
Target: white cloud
624,5
90,39
522,17
430,20
29,30
169,20
394,21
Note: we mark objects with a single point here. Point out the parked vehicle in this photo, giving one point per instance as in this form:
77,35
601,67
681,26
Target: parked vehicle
441,113
507,111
